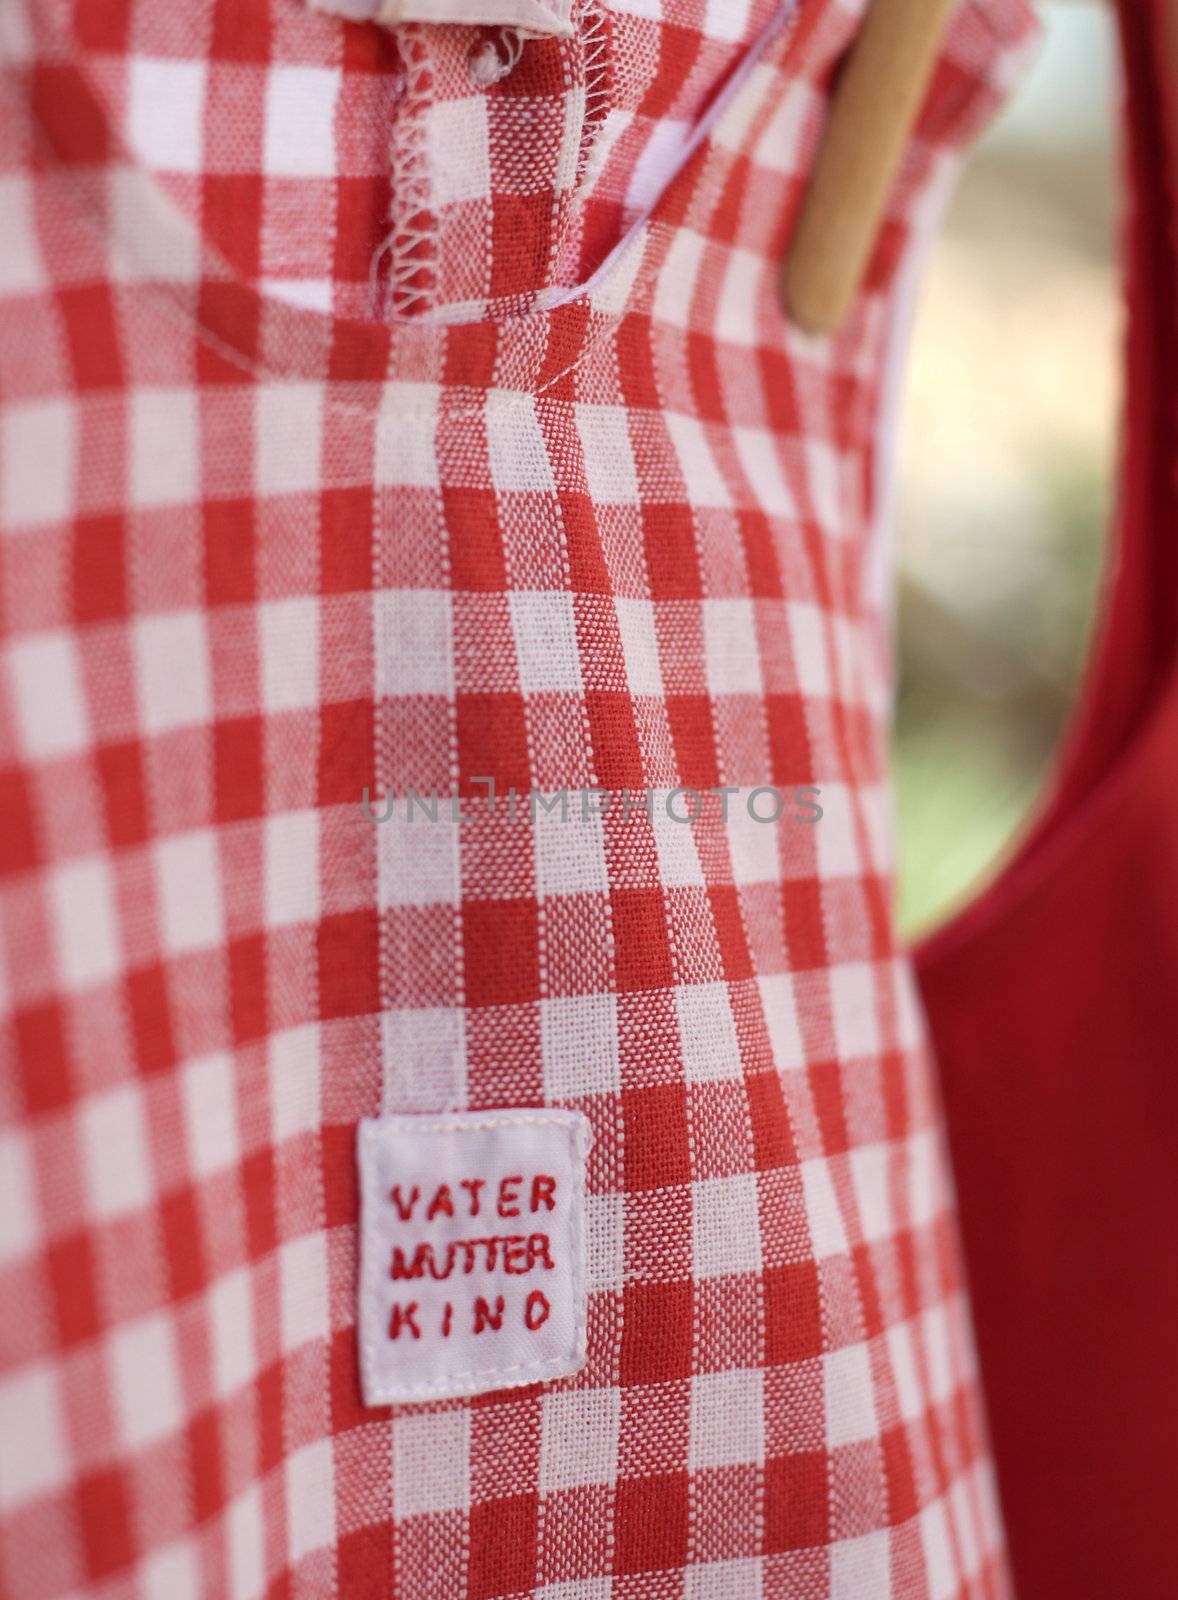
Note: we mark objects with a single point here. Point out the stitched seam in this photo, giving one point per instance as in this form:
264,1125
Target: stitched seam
594,71
449,1123
412,244
589,58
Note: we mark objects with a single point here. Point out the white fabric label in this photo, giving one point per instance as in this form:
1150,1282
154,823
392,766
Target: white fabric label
472,1252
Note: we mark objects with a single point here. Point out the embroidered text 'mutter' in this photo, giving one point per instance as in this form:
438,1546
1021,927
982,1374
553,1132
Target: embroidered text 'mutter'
515,1252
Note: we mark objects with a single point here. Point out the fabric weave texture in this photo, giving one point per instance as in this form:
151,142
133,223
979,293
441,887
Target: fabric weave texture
267,544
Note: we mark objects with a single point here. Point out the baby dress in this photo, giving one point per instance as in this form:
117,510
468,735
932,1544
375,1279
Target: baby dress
466,1125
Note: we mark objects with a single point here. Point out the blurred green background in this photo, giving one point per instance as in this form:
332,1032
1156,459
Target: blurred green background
1008,440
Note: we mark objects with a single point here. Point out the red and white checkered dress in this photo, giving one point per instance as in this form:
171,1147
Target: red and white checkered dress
365,421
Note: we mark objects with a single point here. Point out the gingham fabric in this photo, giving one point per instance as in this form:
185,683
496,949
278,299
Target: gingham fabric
260,556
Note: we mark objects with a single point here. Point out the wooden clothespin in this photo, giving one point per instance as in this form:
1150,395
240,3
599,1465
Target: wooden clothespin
876,101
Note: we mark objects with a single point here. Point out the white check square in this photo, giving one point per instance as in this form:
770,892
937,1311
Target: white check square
310,1499
303,1293
164,467
289,420
707,1029
172,670
300,121
188,873
38,445
725,1226
293,1075
85,922
850,1398
431,1463
165,100
579,1045
146,1380
730,646
32,1413
414,642
49,698
570,853
114,1139
609,459
640,645
579,1438
727,1420
459,150
209,1101
545,630
291,868
231,1324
